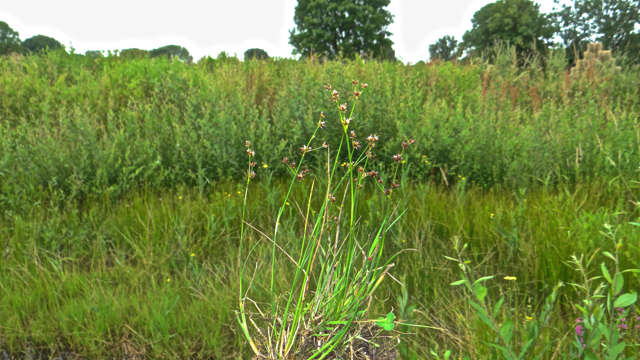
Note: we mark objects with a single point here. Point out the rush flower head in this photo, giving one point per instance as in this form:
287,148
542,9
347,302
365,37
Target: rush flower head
322,114
405,145
360,169
359,186
300,176
352,134
251,152
354,82
305,148
411,141
292,165
387,192
372,138
364,86
395,185
332,198
346,121
285,160
328,86
306,171
370,154
372,173
325,145
322,124
252,164
335,95
343,107
357,93
356,144
247,143
380,181
397,158
252,174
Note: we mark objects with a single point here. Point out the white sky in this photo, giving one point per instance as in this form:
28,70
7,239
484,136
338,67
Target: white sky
209,27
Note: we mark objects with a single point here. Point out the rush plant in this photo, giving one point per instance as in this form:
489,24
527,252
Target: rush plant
324,312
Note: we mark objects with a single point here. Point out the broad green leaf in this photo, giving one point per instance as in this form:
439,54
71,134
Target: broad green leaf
608,254
588,355
480,291
613,354
506,331
459,282
483,279
505,352
447,354
606,274
386,322
626,300
497,307
619,283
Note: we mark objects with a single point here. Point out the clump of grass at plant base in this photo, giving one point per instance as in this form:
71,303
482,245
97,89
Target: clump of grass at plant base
324,311
75,128
113,260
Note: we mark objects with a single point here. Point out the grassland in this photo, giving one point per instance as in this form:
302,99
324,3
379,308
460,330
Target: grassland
120,193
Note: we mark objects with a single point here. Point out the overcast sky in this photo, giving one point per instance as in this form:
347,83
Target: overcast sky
209,27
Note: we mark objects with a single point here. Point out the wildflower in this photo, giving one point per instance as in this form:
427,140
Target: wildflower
372,138
346,121
364,86
492,216
325,145
265,166
193,254
529,318
306,171
380,181
332,198
239,192
360,169
397,158
300,176
247,143
328,87
305,148
287,203
462,178
354,82
356,144
251,152
357,93
252,174
424,156
387,192
370,154
322,124
372,173
285,160
293,164
352,134
335,95
405,145
168,279
510,278
179,197
343,107
322,114
403,161
395,185
252,164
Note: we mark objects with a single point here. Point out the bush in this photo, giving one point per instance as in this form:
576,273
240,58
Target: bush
258,54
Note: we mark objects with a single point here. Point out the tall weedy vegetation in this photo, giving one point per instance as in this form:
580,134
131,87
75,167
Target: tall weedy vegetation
323,311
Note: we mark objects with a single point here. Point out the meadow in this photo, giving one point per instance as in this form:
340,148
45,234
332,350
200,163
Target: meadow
121,195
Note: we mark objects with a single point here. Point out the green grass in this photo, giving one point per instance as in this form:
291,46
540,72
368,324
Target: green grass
90,275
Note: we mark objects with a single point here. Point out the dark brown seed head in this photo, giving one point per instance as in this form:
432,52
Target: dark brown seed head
364,86
354,82
252,174
322,124
352,134
387,192
343,107
360,169
328,86
300,176
335,95
411,141
372,138
380,181
305,148
251,152
335,218
346,121
355,180
332,198
357,93
370,154
306,171
285,160
292,165
356,144
405,145
395,185
372,173
252,164
247,143
397,158
360,186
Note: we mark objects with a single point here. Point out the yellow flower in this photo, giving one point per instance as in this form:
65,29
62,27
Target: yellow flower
463,178
228,194
529,318
404,240
193,254
239,192
403,161
168,279
179,197
492,216
287,203
510,278
343,164
459,175
424,156
265,166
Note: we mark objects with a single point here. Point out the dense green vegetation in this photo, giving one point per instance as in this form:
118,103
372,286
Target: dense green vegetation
121,189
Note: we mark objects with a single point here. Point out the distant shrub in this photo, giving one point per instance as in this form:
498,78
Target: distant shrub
171,51
39,43
134,53
258,54
94,53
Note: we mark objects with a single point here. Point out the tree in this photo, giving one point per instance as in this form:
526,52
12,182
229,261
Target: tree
171,51
38,43
9,40
255,54
134,53
444,49
95,53
517,21
611,22
348,27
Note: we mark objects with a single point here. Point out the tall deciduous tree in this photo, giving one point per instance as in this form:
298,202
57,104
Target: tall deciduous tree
9,40
348,27
255,54
517,21
171,51
614,23
38,43
444,49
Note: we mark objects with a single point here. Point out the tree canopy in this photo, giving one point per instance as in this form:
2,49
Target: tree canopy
519,22
444,49
171,51
9,40
134,53
39,43
348,27
255,54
